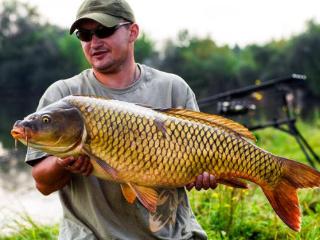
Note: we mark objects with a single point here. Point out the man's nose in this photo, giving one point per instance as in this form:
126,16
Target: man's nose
95,41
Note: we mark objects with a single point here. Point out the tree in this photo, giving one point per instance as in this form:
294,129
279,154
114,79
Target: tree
144,50
208,68
30,55
303,55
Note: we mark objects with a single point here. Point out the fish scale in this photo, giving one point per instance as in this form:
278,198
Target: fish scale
144,149
192,146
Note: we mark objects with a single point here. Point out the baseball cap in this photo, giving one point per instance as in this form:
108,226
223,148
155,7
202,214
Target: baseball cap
109,13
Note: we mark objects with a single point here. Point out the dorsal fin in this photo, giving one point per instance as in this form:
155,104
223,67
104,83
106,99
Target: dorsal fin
211,120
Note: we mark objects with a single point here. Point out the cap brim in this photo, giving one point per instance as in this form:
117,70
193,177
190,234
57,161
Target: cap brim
104,19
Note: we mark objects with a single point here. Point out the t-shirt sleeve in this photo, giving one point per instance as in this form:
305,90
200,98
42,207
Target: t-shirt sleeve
182,95
191,102
54,92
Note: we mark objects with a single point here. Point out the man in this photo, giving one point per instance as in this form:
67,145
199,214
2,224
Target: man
94,208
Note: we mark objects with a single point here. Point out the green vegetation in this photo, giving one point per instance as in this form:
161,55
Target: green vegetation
25,228
238,214
228,213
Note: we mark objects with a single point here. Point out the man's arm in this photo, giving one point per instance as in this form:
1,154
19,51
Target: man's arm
53,173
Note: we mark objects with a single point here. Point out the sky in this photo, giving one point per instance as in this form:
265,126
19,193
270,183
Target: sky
229,22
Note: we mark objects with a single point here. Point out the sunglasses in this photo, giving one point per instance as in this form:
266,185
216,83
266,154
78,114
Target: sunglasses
85,35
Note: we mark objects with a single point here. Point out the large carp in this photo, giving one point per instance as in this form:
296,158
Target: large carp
144,148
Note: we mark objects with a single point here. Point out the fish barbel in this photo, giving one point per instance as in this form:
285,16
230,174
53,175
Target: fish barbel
144,148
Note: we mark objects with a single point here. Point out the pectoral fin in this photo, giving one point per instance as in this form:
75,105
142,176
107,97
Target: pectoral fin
128,193
147,196
105,166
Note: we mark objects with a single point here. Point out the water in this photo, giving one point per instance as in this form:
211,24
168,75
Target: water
18,195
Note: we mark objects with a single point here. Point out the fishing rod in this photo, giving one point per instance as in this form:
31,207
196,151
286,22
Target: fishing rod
294,78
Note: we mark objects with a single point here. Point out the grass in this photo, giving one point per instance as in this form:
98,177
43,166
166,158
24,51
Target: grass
25,228
227,213
239,214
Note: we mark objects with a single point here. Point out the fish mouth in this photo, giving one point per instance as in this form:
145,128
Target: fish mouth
18,133
21,133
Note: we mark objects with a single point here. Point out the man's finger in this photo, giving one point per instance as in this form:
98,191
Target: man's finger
88,166
189,186
65,162
88,170
199,183
84,166
213,182
206,181
76,166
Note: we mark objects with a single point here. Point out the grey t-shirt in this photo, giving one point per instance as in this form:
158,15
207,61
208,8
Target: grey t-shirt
94,208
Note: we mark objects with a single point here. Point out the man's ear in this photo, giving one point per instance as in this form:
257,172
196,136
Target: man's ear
134,32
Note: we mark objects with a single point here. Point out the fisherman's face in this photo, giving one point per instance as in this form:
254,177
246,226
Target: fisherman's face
107,55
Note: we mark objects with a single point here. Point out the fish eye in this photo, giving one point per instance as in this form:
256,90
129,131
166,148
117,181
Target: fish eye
46,119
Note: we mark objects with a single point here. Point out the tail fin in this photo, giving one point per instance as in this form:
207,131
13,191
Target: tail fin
283,197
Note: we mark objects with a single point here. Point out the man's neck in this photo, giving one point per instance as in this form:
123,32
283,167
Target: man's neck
120,79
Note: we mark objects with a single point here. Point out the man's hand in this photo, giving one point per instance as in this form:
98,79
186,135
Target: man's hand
203,181
80,165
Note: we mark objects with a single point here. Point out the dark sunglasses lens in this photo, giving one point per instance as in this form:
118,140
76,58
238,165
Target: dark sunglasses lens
84,36
100,32
104,32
